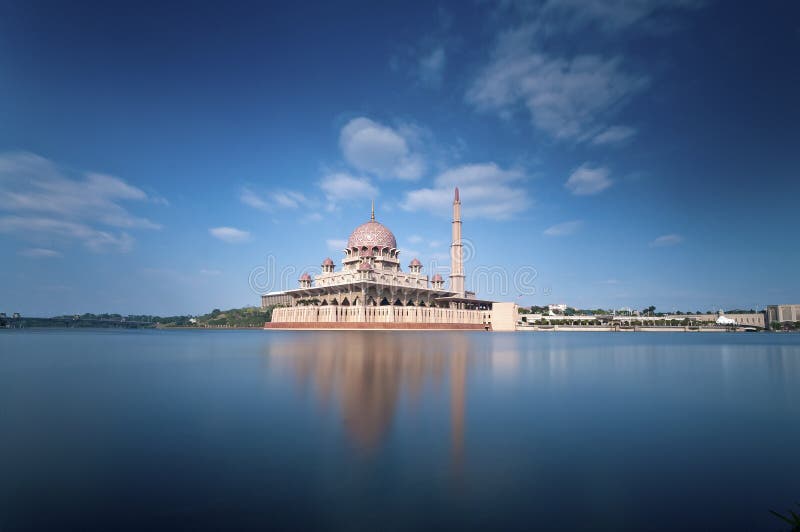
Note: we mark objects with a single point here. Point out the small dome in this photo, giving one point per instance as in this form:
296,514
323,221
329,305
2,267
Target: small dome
371,234
415,262
365,267
437,278
305,277
327,262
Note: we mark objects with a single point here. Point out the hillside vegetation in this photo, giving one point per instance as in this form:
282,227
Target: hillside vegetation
237,317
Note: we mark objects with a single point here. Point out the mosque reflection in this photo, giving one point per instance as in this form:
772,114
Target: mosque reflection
368,374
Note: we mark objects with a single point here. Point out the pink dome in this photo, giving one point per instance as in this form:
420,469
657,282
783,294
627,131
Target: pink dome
365,267
437,278
372,234
305,277
415,262
327,262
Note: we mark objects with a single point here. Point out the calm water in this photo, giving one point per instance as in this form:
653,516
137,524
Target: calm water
228,430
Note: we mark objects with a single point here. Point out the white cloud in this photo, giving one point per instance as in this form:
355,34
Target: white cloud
210,272
34,184
671,239
46,204
563,229
50,229
288,199
251,199
567,98
341,187
486,190
587,180
229,234
312,217
379,150
614,135
415,239
335,244
431,67
409,255
608,15
39,253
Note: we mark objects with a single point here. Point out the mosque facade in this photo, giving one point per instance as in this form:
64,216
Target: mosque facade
372,291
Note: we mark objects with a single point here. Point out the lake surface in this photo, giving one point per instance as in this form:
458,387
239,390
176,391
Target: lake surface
227,430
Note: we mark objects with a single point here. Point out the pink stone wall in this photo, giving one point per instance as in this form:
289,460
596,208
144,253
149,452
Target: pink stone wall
373,325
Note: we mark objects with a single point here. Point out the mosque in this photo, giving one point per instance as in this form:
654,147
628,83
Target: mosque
371,290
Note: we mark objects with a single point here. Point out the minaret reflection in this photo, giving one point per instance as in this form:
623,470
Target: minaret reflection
458,378
367,373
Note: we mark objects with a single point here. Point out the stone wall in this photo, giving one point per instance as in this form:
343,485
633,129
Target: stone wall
374,325
382,314
504,316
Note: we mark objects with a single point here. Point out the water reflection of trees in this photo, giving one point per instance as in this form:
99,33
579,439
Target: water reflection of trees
367,373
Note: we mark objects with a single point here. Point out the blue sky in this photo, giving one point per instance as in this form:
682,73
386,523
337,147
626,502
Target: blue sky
160,158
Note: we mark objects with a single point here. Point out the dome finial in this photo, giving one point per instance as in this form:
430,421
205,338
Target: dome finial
373,211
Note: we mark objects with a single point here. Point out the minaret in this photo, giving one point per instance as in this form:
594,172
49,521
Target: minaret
457,251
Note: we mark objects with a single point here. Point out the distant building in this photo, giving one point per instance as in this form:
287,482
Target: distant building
273,299
560,308
15,315
783,313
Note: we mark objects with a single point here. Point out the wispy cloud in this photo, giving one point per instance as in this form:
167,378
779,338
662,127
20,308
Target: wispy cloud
564,228
671,239
614,135
230,234
45,204
52,230
286,199
431,67
335,244
39,253
210,272
289,199
251,199
380,150
487,191
587,180
342,187
312,217
608,16
569,98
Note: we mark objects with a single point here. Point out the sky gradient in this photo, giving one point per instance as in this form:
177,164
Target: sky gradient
162,159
